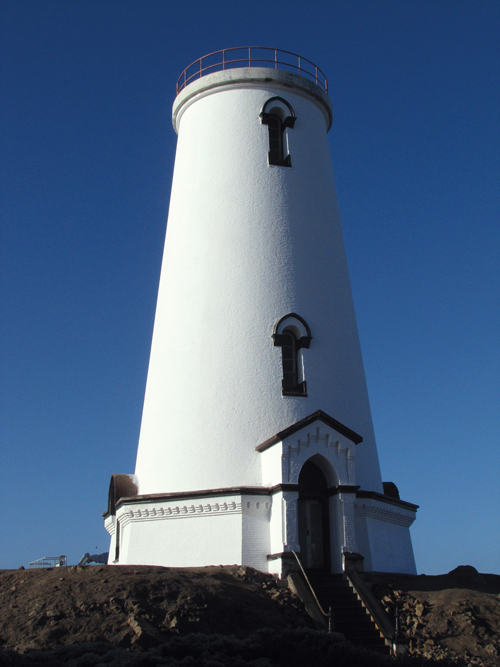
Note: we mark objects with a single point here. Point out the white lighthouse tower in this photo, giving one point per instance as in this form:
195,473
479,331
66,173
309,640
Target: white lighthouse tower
256,436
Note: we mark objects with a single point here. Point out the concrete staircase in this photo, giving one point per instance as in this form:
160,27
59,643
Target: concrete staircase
349,615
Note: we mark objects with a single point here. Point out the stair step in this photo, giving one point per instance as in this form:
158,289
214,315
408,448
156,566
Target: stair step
349,615
341,619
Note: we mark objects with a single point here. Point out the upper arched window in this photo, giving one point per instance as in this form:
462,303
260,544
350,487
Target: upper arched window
278,115
292,334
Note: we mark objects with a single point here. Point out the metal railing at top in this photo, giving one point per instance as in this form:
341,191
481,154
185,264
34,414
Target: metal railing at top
251,56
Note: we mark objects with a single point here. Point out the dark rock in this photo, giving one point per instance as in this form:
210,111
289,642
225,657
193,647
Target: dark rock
467,574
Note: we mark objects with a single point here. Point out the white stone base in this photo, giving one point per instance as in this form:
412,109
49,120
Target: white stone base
191,531
259,526
257,529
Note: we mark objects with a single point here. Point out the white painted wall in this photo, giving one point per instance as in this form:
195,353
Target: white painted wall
277,523
187,533
110,525
222,530
383,536
256,543
246,244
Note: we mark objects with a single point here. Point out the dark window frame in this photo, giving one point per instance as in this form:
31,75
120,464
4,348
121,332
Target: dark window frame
290,345
276,127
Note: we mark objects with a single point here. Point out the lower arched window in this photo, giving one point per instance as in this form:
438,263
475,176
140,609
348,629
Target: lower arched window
292,334
289,355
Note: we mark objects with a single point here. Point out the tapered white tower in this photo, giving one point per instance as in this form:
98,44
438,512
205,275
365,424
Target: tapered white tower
256,436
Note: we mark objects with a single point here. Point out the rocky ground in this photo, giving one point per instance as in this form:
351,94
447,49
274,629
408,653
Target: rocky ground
228,616
135,607
452,616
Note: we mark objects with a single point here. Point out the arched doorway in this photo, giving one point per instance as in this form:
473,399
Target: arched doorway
313,517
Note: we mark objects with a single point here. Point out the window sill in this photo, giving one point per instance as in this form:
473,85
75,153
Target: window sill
299,390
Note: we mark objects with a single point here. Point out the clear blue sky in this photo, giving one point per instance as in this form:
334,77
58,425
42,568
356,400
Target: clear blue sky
87,152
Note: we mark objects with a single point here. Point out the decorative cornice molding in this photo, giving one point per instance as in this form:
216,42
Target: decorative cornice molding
388,500
179,512
383,514
317,438
191,495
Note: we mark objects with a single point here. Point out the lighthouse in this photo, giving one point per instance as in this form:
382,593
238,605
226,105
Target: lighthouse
256,439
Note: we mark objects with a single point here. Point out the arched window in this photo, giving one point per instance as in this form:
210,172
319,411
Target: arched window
278,115
274,125
292,334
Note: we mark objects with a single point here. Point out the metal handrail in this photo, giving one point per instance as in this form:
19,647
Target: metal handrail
329,615
373,606
303,65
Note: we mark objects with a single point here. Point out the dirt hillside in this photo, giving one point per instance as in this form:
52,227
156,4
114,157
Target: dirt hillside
132,606
452,615
97,615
